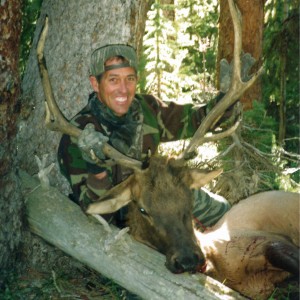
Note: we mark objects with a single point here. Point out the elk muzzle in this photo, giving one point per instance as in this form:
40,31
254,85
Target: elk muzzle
185,258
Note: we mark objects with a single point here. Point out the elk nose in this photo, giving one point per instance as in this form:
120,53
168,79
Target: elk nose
191,263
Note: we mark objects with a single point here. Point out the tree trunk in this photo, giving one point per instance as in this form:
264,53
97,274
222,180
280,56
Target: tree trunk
283,83
252,31
136,267
10,30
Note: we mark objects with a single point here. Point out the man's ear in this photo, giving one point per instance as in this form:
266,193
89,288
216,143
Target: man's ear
94,83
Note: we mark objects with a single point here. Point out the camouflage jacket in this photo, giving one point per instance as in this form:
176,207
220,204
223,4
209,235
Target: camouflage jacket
150,123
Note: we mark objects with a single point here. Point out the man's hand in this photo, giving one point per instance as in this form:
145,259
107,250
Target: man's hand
91,142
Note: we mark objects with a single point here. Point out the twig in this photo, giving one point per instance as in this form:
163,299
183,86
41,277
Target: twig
113,239
55,283
295,155
103,222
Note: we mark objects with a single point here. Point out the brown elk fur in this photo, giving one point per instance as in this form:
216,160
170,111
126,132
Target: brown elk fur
160,209
241,250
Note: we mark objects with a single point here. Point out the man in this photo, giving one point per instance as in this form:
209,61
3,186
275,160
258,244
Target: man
133,124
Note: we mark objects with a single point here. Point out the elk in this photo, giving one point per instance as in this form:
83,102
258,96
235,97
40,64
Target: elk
160,200
160,209
254,246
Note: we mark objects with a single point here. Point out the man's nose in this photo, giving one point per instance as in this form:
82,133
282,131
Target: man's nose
123,86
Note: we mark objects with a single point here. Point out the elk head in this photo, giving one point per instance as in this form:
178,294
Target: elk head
160,209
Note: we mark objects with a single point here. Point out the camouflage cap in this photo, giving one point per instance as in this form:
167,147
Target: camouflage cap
102,54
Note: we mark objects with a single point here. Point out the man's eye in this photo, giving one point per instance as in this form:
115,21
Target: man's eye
132,78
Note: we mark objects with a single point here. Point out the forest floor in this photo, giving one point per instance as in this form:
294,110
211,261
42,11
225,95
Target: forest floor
85,284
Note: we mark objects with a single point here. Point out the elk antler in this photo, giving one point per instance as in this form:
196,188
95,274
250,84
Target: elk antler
236,90
57,122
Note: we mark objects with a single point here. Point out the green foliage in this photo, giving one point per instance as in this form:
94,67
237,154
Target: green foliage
259,129
257,157
281,56
250,160
179,50
159,57
30,14
179,61
203,17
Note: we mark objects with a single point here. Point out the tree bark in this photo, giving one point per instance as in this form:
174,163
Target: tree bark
252,32
10,233
132,265
283,85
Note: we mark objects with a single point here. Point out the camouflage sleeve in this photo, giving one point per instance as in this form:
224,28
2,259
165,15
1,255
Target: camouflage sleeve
182,120
174,121
88,181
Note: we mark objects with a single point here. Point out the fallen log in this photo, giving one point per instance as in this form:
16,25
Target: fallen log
134,266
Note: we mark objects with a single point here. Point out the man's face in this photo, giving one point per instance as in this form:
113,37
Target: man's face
116,88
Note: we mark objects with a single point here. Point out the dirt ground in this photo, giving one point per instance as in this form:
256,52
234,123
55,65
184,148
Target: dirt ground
84,284
44,272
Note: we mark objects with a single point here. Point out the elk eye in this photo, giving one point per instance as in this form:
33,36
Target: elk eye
143,211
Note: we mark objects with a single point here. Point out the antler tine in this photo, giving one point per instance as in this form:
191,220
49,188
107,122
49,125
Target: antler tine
236,90
56,121
237,28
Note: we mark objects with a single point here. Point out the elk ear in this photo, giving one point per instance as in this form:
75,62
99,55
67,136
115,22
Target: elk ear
198,178
114,199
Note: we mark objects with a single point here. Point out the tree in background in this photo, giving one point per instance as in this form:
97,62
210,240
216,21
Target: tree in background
179,49
160,52
252,31
199,35
11,203
281,83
